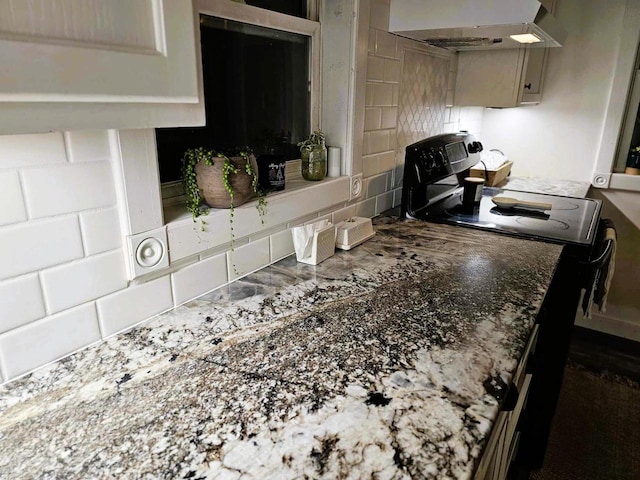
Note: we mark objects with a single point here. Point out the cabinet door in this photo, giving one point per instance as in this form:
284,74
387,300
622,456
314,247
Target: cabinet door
87,53
534,75
490,78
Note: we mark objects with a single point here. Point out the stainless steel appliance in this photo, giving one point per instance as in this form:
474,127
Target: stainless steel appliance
432,191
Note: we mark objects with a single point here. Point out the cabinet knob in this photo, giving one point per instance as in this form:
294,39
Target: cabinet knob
527,86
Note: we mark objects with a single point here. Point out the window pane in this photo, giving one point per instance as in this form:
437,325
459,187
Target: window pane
297,8
256,94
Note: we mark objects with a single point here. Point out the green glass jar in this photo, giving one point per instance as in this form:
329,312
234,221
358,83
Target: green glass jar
314,162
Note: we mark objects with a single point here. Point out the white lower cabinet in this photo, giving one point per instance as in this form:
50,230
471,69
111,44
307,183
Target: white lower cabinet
503,442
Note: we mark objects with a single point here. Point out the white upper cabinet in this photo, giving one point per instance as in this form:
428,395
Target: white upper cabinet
500,78
69,64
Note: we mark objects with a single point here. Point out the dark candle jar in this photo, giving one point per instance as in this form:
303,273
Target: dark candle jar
271,169
472,192
633,163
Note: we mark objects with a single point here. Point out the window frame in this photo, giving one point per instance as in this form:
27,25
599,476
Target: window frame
172,192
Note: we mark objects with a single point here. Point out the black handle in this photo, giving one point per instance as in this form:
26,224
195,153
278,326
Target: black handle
530,367
511,399
607,246
527,86
603,257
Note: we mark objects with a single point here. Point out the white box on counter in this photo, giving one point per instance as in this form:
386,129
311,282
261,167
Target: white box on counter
315,242
353,231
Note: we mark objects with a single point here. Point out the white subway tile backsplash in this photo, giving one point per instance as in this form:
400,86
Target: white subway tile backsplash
84,280
366,143
194,280
31,246
389,117
128,307
18,151
248,258
397,197
368,96
46,340
377,185
20,302
88,146
100,231
384,202
382,94
449,99
343,214
13,209
281,245
372,118
372,41
392,69
369,166
386,161
56,190
375,69
366,208
385,44
379,140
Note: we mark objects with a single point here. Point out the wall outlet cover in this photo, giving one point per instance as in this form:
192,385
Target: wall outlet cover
357,187
147,252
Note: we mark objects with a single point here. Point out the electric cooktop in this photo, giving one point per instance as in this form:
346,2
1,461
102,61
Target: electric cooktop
570,220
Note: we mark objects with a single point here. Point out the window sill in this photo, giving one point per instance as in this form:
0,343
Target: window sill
622,181
299,199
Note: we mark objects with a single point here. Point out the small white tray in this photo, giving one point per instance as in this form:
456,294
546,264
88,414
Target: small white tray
323,245
352,232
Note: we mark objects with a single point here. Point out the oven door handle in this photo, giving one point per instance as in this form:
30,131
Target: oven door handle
603,257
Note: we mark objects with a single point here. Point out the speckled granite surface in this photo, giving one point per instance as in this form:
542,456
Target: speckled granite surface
387,361
565,188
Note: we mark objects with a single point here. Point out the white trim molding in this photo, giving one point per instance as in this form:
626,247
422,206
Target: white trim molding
618,98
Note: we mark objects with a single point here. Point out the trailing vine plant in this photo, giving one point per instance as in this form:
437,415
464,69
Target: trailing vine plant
192,157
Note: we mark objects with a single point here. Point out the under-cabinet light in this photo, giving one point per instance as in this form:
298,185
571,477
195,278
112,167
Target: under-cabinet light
526,38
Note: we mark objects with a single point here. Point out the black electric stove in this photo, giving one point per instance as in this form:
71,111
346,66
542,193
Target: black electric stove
432,191
434,174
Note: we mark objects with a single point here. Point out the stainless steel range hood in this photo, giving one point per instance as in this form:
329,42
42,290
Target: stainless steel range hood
475,24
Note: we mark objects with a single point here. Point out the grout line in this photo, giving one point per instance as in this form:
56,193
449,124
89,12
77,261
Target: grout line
45,298
23,192
67,148
98,317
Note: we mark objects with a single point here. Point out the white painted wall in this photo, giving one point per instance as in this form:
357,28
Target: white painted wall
559,138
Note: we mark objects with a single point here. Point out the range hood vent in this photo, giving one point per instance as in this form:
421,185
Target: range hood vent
475,24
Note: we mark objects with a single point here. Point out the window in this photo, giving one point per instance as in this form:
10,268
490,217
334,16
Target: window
297,8
257,88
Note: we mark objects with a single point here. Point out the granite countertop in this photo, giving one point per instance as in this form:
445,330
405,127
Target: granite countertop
565,188
386,361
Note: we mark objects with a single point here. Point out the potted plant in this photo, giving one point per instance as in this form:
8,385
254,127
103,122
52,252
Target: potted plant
313,156
220,180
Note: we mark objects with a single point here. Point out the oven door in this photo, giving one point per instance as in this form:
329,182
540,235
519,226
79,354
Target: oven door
577,271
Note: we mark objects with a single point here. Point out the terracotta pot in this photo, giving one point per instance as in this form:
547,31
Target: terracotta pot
209,178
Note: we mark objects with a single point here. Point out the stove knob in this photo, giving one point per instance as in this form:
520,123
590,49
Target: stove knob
479,146
432,160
